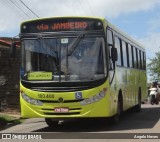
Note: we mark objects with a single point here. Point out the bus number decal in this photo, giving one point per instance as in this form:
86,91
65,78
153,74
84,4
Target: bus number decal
46,96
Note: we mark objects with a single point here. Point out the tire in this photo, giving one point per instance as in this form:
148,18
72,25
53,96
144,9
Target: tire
138,106
152,99
157,101
116,118
51,123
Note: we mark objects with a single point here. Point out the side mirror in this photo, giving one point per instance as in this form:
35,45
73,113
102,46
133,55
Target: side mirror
13,49
114,56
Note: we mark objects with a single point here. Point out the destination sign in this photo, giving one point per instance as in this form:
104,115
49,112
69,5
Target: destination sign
63,24
40,76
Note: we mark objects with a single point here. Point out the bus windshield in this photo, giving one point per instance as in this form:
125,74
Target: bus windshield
65,58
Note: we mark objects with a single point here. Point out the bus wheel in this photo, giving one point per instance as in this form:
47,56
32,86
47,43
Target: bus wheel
138,106
51,122
116,118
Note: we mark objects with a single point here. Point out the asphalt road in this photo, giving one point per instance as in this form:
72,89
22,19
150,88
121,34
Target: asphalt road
146,121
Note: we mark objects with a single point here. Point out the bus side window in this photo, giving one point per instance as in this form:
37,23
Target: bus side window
124,54
137,56
127,54
140,59
144,61
130,56
118,46
110,41
134,57
109,37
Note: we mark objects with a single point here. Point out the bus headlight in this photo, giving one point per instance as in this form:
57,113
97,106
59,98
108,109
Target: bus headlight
93,99
31,100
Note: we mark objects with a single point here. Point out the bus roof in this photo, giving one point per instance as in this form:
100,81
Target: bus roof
58,17
123,34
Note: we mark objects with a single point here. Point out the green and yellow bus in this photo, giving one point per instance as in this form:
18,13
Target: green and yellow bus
79,67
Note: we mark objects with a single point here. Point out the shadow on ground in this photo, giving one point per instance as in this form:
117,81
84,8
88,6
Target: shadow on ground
146,119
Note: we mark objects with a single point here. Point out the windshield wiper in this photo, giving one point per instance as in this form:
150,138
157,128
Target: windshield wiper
73,47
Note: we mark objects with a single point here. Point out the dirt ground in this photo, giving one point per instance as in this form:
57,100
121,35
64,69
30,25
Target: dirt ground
11,111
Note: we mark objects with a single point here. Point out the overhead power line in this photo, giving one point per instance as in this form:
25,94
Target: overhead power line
9,5
29,9
19,7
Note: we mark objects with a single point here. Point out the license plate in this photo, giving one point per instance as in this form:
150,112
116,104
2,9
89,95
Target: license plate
61,109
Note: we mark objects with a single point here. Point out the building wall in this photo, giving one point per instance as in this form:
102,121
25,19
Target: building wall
9,79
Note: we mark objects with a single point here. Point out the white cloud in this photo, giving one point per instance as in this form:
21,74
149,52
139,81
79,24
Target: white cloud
154,23
6,20
113,8
151,43
109,8
12,16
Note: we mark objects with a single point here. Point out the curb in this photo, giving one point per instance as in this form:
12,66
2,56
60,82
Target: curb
17,116
16,119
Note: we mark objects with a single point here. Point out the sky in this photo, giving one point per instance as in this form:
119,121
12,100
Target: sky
138,18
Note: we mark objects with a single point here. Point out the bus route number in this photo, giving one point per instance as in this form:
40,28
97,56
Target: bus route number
51,96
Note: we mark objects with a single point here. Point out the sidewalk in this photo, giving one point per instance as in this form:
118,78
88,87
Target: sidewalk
17,115
9,119
14,112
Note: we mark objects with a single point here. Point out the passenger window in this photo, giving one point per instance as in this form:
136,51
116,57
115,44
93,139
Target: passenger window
134,57
124,54
144,61
117,45
127,53
140,59
109,37
137,54
110,41
130,55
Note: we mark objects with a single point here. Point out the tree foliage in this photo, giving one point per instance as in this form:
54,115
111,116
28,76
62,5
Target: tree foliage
154,67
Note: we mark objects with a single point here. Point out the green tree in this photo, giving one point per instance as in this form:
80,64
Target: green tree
154,67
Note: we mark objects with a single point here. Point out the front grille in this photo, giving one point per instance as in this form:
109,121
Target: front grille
65,101
49,86
60,89
69,113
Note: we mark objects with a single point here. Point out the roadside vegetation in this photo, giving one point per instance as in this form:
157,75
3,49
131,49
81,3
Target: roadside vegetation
7,121
154,67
